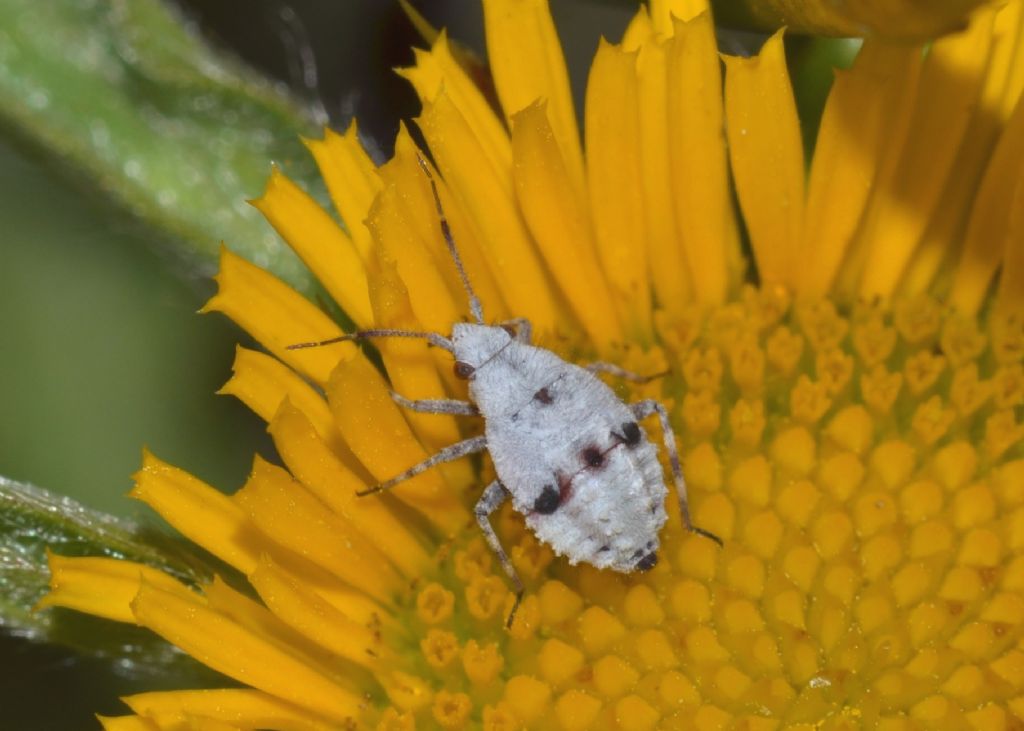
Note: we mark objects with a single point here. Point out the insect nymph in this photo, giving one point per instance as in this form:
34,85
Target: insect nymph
567,451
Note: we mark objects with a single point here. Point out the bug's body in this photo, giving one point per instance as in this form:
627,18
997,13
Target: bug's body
588,484
569,453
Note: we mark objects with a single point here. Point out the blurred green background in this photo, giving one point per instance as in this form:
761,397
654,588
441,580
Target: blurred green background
102,350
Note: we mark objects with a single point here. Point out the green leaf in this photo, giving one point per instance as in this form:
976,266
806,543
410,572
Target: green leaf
33,521
180,135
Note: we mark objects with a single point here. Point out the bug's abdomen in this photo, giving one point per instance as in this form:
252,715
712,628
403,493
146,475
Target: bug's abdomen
590,488
607,515
569,452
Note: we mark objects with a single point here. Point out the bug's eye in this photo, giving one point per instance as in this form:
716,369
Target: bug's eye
463,369
631,433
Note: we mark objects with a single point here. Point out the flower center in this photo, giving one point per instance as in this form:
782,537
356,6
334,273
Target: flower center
864,475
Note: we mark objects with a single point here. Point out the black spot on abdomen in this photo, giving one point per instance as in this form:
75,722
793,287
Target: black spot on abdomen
543,396
592,456
548,501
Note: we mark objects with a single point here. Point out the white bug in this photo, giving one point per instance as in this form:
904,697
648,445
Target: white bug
567,451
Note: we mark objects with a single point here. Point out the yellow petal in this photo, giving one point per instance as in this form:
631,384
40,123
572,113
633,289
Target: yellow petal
320,243
352,181
664,13
437,69
127,723
405,223
276,316
165,722
989,233
199,512
296,521
614,183
102,586
858,117
1004,78
668,271
767,157
937,255
909,18
427,31
192,722
407,226
639,31
702,200
560,226
527,63
315,466
252,616
342,596
933,262
488,200
899,115
1010,30
247,656
262,383
401,245
1011,283
436,73
413,369
911,184
381,438
893,19
247,708
302,609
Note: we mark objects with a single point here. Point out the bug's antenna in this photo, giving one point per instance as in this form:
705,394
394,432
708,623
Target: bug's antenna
474,303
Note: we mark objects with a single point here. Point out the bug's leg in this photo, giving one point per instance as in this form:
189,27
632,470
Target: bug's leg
449,453
523,329
491,500
614,370
643,409
436,406
433,338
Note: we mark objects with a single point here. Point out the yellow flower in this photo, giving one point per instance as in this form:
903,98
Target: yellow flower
887,18
850,424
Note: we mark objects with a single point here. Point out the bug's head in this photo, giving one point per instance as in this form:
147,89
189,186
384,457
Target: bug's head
476,345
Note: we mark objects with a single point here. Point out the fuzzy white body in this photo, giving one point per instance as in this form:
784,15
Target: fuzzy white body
551,425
